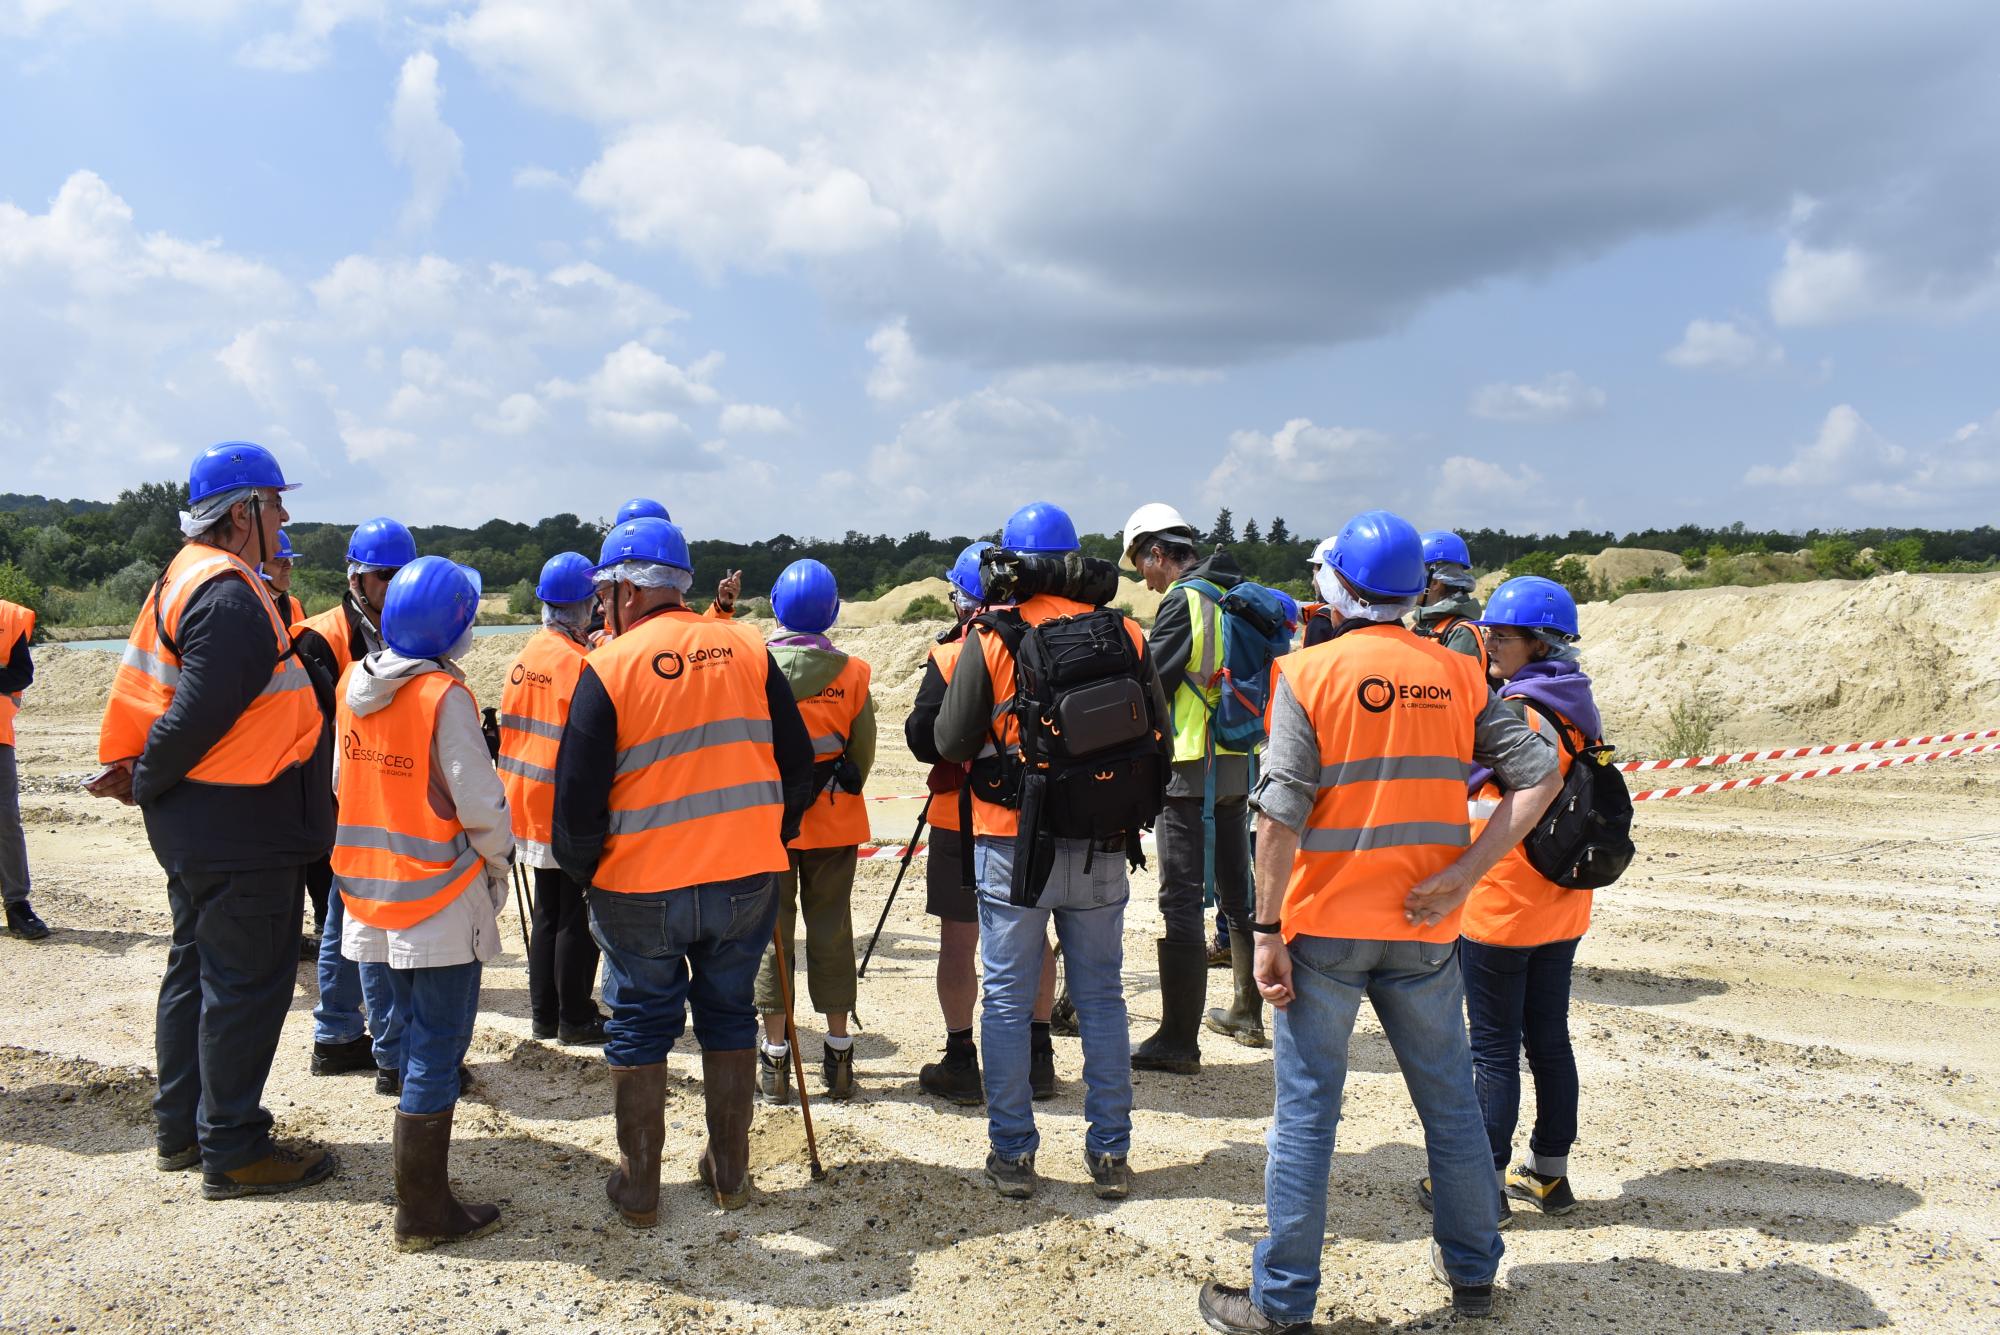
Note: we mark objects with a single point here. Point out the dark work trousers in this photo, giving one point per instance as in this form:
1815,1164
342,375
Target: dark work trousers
319,884
1178,835
230,975
1516,996
562,958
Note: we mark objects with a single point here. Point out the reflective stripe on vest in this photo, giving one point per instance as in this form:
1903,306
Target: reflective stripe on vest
942,814
17,623
396,861
280,727
695,792
1441,629
1394,716
1513,904
835,819
534,705
1199,694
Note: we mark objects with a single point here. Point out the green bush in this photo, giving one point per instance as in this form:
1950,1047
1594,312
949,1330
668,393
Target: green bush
16,587
1693,724
132,582
521,600
1901,554
925,607
90,607
1834,558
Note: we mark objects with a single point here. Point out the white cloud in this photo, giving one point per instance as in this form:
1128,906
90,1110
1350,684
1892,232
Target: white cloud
1889,254
1726,345
1850,473
420,141
968,462
896,362
753,419
516,415
1300,456
651,424
539,178
633,376
1847,452
304,46
1558,397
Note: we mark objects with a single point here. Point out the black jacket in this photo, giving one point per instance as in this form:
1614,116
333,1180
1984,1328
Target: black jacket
587,761
18,672
1319,628
1172,639
227,657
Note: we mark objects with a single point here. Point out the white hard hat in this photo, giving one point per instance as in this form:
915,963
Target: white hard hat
1321,552
1152,517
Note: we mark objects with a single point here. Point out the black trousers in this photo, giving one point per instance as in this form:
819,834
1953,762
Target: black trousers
562,957
1179,836
319,883
231,971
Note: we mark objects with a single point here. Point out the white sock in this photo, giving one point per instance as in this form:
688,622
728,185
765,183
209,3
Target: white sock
1547,1165
841,1044
777,1049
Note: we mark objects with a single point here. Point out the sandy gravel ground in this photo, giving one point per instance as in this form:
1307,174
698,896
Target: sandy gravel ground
1785,1016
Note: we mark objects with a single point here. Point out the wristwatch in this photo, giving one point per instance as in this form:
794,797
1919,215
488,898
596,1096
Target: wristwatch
1267,928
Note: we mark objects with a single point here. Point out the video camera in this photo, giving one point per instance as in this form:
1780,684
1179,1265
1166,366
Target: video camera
1014,577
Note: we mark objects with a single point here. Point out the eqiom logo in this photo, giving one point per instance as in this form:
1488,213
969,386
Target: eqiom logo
354,753
1376,694
521,674
669,665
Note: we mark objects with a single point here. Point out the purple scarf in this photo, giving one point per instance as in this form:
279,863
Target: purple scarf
1553,683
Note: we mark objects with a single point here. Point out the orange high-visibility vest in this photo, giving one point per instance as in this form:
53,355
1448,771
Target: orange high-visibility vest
290,608
1513,904
1394,714
696,795
1438,630
17,623
943,812
533,708
395,859
990,818
332,626
835,819
714,612
279,729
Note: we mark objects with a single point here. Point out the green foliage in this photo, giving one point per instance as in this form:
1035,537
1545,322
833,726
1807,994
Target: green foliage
132,583
1693,723
926,607
90,607
521,600
1224,531
1901,554
1568,571
1833,557
16,587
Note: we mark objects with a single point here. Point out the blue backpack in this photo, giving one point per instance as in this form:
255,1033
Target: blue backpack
1254,632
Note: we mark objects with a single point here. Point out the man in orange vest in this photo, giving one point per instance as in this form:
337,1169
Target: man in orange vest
277,572
421,864
534,705
949,893
832,693
683,770
17,672
1364,855
344,634
215,730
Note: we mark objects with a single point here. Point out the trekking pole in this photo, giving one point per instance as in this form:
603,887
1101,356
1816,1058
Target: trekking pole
908,853
792,1041
521,902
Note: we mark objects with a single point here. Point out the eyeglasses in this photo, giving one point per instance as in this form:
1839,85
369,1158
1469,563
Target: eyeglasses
1495,637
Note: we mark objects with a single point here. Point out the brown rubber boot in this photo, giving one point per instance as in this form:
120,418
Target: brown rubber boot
639,1097
1243,1018
426,1211
729,1086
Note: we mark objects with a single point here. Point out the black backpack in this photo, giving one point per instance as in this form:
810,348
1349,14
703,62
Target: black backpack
1584,840
1093,761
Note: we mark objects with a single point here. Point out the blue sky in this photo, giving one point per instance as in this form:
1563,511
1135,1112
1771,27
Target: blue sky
889,267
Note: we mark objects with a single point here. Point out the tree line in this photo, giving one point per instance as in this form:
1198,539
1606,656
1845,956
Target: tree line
90,563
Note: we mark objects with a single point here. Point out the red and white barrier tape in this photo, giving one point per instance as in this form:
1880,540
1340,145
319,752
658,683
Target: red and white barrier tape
1825,771
909,797
1801,752
891,851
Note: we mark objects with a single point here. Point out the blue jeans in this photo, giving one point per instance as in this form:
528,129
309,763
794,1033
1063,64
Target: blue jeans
346,987
230,973
698,946
1515,995
431,1013
1415,992
1089,913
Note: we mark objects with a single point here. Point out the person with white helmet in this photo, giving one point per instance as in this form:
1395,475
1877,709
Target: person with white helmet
1318,620
831,688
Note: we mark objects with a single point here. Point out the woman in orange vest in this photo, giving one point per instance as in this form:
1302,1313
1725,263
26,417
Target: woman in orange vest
1520,930
421,864
832,693
17,672
534,706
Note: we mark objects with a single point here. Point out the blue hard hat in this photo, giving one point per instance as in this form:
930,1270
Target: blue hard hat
641,508
285,546
1291,606
232,464
965,574
565,579
646,539
1381,555
1532,603
428,605
805,598
383,543
1039,527
1443,546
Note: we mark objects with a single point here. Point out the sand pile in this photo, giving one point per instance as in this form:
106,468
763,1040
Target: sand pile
70,682
1795,663
893,604
1615,565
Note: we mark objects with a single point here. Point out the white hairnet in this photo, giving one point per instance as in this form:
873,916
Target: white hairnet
647,575
572,617
209,510
1454,576
1351,608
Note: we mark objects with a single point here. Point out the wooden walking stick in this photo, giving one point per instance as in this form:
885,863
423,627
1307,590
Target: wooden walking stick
792,1040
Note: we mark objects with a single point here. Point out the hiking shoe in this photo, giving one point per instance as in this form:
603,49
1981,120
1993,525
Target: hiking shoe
589,1034
1218,954
285,1168
178,1161
1111,1174
23,922
1228,1309
1012,1178
343,1058
955,1079
545,1032
774,1076
1042,1069
1424,1199
1467,1300
308,947
836,1067
1550,1195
